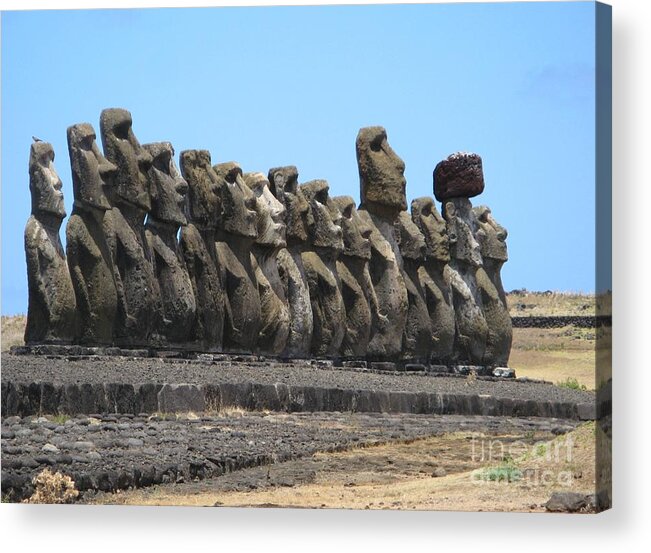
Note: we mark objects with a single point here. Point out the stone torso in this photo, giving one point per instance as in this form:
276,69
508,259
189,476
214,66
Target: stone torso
328,309
496,314
137,284
52,305
355,285
274,307
208,327
243,315
389,309
294,279
472,330
417,338
177,296
91,271
438,297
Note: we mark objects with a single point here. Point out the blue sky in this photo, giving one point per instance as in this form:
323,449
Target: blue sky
272,86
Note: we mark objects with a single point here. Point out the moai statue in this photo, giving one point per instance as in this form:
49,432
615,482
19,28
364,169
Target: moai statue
271,239
417,342
434,277
168,192
236,235
456,179
492,240
356,286
89,257
52,304
124,226
283,183
325,241
382,181
203,210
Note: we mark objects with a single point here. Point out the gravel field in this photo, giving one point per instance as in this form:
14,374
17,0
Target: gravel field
112,452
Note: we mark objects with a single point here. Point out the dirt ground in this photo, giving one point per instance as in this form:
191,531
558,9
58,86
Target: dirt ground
555,354
449,472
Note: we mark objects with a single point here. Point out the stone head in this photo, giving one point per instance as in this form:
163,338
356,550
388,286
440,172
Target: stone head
323,229
123,149
44,182
238,201
434,229
270,211
410,238
381,172
490,235
167,187
91,171
356,232
463,245
283,183
203,207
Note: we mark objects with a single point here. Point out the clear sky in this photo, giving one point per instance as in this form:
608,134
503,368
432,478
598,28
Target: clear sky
271,86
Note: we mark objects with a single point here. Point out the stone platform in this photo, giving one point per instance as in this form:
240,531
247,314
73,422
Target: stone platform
47,384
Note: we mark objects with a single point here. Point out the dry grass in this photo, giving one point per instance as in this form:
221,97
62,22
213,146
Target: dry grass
52,487
399,476
555,354
13,331
545,304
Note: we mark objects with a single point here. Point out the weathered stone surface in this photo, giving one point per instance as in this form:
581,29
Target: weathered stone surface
418,338
568,502
52,304
274,307
465,260
382,185
168,192
89,257
492,240
459,176
381,172
434,278
198,248
179,398
356,285
139,301
236,235
283,183
319,260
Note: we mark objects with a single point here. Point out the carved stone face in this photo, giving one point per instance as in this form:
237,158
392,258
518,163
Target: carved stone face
432,225
204,205
168,188
463,245
323,230
411,239
381,171
356,232
132,160
283,182
490,235
271,213
44,182
91,171
238,202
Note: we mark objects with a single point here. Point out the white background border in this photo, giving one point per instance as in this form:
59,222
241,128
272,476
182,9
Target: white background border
122,529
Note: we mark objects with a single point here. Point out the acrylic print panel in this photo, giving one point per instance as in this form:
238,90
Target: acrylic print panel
394,298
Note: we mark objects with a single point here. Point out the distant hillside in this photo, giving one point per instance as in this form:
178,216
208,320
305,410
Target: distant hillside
523,303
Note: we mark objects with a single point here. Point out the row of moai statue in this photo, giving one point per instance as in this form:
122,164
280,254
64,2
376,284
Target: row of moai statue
262,264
